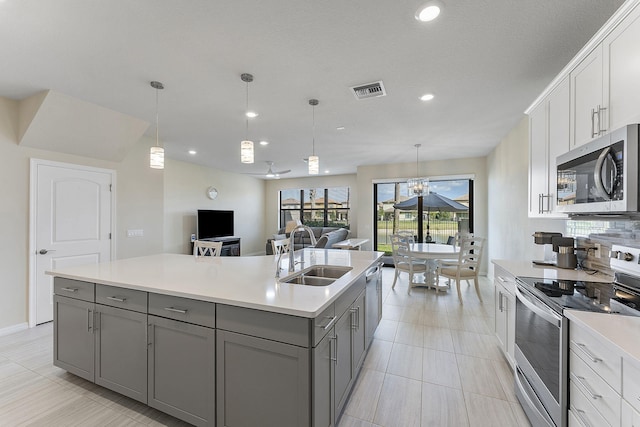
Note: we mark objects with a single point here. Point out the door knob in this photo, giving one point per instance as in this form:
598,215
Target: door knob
45,251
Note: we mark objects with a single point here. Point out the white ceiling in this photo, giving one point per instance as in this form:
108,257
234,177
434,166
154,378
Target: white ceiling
485,61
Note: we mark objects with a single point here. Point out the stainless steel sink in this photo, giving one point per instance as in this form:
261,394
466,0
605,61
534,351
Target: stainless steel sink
317,275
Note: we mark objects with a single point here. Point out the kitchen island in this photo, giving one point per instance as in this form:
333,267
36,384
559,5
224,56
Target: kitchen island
220,341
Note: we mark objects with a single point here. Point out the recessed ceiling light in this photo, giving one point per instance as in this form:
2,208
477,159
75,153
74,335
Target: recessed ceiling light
429,11
327,171
252,114
340,128
264,142
427,97
192,152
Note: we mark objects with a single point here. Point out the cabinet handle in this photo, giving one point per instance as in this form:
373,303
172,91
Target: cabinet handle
580,414
117,299
330,324
500,301
89,320
70,289
593,123
583,381
502,279
176,310
149,337
601,129
334,359
590,355
540,203
353,311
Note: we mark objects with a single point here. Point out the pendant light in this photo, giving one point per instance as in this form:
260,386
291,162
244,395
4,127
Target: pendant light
156,153
417,186
314,161
246,146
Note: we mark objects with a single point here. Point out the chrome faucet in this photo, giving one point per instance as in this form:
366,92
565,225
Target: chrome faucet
300,227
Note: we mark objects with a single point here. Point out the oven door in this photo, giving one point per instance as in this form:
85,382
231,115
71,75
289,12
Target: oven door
541,359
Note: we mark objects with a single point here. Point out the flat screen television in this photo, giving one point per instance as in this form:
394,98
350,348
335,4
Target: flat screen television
214,224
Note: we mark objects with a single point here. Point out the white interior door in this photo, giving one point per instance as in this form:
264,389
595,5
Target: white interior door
72,219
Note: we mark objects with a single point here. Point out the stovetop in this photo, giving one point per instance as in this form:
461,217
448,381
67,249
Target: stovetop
578,295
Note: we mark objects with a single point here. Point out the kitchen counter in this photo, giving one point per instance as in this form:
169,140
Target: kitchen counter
240,281
529,269
622,332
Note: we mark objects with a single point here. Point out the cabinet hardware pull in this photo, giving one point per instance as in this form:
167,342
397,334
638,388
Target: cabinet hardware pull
593,123
336,337
353,311
358,317
117,299
330,324
333,359
586,351
70,289
176,310
500,301
580,414
89,320
502,279
583,381
540,203
601,129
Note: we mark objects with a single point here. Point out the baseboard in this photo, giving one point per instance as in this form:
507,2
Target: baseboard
14,328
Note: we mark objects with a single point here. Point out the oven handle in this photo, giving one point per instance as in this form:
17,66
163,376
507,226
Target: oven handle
549,316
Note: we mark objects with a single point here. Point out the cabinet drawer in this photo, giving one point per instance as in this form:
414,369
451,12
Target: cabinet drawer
264,324
597,355
129,299
350,295
631,383
323,323
505,279
74,289
601,395
629,416
184,309
582,408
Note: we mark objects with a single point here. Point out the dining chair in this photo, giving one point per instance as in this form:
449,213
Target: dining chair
205,248
407,235
468,265
403,261
280,246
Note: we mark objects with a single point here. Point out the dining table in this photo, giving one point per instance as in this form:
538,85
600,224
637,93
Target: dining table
432,253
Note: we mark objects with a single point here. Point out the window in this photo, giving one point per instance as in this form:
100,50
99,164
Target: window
437,224
316,207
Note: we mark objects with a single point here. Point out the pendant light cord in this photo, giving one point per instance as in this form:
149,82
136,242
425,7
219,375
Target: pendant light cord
246,116
313,127
157,120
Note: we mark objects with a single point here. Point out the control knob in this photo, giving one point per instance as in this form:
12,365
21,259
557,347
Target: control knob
622,256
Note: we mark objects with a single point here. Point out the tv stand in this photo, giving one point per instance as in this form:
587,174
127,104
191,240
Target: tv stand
230,245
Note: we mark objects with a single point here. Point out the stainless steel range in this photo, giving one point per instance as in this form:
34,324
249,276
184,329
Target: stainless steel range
541,351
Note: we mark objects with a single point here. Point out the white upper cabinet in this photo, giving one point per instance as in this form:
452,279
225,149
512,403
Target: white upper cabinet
621,72
549,137
586,99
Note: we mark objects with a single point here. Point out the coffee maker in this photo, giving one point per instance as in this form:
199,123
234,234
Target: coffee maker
558,251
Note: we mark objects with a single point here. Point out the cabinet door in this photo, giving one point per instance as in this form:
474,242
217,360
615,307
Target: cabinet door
501,318
343,366
510,301
586,95
323,382
621,50
261,382
182,370
121,351
73,340
537,159
558,135
359,343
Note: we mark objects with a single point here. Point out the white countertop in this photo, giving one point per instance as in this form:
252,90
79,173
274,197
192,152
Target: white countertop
529,269
623,332
242,281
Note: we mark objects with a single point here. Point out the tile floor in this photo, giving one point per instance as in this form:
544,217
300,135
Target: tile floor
433,362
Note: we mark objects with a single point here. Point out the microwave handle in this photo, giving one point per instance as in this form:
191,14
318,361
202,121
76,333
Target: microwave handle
597,174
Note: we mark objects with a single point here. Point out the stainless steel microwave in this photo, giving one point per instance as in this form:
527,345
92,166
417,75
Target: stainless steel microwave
600,176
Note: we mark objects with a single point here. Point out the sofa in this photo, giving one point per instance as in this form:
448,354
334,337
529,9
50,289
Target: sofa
325,236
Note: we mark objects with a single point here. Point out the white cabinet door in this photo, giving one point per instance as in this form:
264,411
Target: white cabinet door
621,50
537,159
586,97
558,131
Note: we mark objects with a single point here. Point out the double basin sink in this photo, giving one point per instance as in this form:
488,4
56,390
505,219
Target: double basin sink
317,275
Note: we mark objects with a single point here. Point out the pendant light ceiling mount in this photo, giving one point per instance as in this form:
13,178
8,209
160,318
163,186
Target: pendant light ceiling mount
313,160
246,146
156,153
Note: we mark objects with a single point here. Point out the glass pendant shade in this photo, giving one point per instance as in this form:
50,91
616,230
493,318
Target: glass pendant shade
418,186
314,165
246,151
156,158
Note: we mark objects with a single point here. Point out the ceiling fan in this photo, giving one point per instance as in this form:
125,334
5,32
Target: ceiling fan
271,173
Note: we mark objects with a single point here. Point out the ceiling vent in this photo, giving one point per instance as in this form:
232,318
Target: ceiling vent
369,90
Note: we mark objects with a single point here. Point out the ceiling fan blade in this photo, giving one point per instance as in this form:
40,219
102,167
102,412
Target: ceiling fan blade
282,172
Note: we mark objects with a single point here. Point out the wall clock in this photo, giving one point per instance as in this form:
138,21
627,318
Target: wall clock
212,193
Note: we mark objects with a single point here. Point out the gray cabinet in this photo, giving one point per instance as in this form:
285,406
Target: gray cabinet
358,337
343,362
181,370
323,407
261,382
121,351
73,341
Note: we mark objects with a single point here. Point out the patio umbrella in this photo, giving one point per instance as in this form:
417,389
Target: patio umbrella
432,201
